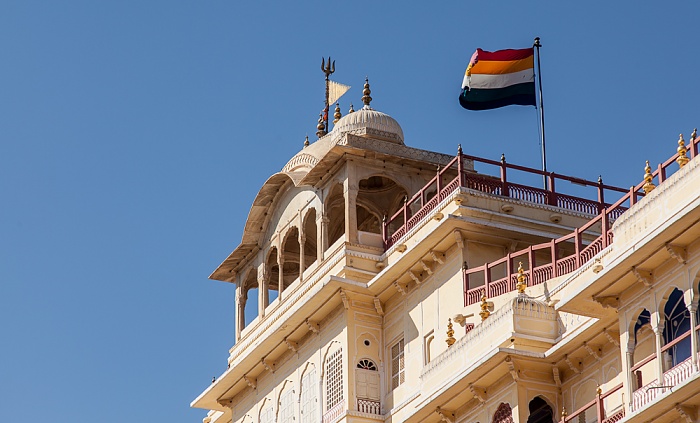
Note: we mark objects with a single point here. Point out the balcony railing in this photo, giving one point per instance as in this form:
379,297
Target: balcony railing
453,176
334,412
562,255
369,406
613,413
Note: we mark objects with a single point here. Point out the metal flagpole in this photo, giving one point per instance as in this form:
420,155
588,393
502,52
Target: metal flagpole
537,45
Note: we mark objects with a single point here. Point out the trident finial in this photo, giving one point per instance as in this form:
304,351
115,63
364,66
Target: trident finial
329,68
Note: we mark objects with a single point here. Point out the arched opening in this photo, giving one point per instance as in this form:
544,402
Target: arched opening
310,239
250,295
367,387
677,325
644,347
308,400
273,270
540,411
290,254
377,196
503,414
335,210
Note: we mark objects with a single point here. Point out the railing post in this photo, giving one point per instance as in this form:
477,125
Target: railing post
599,406
460,173
633,196
577,241
465,282
405,212
604,226
438,182
531,265
509,270
504,178
554,258
601,195
385,232
662,174
487,280
552,192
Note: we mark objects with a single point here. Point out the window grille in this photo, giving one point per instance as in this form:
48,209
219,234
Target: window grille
287,407
267,415
397,365
308,397
334,379
366,365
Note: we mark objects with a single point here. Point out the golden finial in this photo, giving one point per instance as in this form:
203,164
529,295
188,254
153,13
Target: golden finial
521,285
352,109
321,126
484,313
306,142
450,333
682,159
599,390
694,134
648,184
564,414
366,92
336,115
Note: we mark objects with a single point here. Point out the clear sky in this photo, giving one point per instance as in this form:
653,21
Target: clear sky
135,135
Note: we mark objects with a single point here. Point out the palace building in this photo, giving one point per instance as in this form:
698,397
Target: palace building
394,284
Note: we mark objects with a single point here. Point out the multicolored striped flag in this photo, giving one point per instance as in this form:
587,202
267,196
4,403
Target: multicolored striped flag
500,78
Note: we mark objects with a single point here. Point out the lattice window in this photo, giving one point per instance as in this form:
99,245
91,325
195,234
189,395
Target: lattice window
309,399
267,415
366,364
504,414
334,379
397,365
287,407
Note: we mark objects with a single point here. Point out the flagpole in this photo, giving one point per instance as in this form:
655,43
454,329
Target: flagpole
537,45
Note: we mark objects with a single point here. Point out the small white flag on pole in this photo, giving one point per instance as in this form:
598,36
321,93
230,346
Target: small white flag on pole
335,91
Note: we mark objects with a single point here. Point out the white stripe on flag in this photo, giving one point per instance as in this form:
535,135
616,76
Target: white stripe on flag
501,81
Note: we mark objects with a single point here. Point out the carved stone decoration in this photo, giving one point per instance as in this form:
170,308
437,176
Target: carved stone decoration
344,298
643,276
458,238
400,288
571,365
478,392
437,256
415,278
614,338
225,402
445,415
378,306
313,326
687,412
503,414
677,252
269,365
293,346
608,302
250,381
592,352
401,248
511,369
556,376
426,267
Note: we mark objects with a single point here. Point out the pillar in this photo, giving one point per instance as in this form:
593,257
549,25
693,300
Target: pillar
322,224
240,310
263,291
692,308
280,263
350,190
302,241
659,335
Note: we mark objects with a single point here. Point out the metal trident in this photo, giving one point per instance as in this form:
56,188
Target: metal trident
329,68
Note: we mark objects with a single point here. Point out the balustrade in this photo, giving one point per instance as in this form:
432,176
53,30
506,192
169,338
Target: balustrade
334,412
605,414
368,406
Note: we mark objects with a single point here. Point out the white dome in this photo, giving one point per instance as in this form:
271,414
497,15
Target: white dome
368,121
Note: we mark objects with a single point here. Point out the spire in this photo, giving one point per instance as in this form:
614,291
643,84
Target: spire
337,115
365,93
321,126
306,142
352,109
648,177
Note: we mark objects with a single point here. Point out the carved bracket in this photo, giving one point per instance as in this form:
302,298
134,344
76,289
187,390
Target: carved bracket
511,368
313,326
225,402
458,238
595,354
571,365
613,337
269,365
478,392
400,288
378,306
344,298
293,346
427,268
251,381
556,376
677,252
608,301
687,412
445,415
437,256
415,278
644,276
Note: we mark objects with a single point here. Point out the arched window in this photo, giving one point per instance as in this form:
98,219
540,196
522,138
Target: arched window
334,379
540,411
366,364
309,399
503,414
677,323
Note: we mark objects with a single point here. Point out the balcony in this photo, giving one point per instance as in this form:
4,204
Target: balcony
607,407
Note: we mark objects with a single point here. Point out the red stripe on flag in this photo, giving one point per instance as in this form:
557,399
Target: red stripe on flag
509,54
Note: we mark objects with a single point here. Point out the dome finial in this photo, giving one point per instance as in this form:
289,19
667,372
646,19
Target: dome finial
306,141
321,126
366,92
352,109
337,115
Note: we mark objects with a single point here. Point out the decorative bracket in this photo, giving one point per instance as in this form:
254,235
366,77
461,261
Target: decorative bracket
614,338
458,238
437,256
269,365
225,402
445,415
378,306
415,278
677,252
511,369
400,288
250,381
687,412
644,276
293,346
426,267
596,355
571,365
313,326
608,302
557,377
478,392
344,298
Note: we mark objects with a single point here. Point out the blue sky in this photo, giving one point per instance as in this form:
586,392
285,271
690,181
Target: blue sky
135,136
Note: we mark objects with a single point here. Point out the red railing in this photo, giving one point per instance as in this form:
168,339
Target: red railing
452,176
562,255
597,406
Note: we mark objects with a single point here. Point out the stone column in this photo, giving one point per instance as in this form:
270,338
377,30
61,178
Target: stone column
659,335
264,285
280,263
630,379
302,240
350,212
322,225
241,297
692,308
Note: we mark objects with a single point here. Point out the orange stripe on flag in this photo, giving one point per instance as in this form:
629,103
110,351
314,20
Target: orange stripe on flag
488,67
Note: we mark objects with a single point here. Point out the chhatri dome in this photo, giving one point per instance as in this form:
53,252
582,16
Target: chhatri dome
368,121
